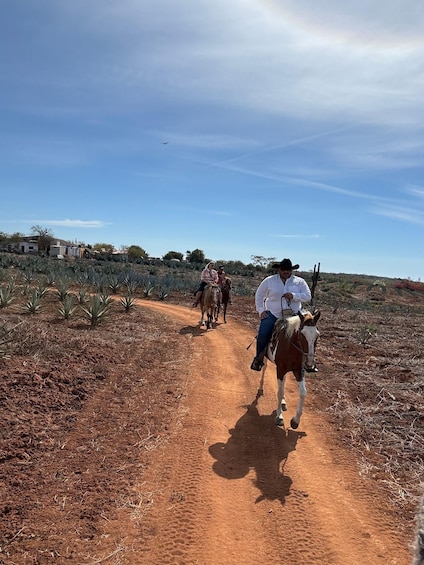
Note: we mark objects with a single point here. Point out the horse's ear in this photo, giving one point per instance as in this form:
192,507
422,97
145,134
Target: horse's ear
317,314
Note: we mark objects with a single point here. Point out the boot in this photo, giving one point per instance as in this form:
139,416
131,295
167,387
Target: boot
257,363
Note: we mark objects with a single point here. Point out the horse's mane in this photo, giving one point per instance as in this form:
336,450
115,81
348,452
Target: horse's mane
292,325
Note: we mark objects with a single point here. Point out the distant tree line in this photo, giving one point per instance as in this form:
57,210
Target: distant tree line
45,237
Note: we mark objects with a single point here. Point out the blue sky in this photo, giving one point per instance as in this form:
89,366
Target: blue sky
293,128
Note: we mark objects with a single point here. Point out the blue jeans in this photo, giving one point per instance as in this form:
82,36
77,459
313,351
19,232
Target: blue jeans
265,332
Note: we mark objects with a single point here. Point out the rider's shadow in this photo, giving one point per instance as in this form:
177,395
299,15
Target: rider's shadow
257,443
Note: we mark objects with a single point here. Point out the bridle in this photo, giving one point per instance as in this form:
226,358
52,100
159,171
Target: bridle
298,333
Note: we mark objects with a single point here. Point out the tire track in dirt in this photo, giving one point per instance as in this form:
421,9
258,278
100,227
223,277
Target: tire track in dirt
231,487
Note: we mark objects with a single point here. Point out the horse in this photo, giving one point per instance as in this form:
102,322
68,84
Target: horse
292,349
209,304
225,297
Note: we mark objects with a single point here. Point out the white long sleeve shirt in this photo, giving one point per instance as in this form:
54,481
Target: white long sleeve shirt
269,295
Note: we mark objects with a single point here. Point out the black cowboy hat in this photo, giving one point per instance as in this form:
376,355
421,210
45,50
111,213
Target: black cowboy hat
285,265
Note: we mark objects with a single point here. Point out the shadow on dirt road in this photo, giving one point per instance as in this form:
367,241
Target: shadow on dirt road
256,443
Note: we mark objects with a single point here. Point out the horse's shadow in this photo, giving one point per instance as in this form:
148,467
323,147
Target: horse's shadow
197,331
257,443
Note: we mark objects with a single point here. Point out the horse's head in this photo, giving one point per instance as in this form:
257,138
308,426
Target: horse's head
215,293
308,335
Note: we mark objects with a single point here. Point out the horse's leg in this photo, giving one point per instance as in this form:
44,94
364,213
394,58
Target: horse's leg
294,422
208,319
202,319
281,401
216,312
225,312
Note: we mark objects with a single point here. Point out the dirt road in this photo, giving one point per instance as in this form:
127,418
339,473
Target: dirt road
232,488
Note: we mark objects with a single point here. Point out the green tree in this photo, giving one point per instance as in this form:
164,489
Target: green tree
260,261
136,252
103,247
4,238
195,256
173,255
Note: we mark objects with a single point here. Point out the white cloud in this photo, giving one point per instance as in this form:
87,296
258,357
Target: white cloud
408,215
71,223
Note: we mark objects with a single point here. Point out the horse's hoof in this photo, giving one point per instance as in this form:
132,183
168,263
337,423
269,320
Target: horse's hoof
293,424
260,392
279,422
284,407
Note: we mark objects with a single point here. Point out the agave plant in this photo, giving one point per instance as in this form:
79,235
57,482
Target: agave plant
28,276
83,296
148,289
106,299
51,278
163,292
128,302
62,290
114,284
33,303
96,311
42,289
67,307
131,285
6,296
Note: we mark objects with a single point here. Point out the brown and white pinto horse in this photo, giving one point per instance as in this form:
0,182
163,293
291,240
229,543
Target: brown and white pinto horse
209,302
292,349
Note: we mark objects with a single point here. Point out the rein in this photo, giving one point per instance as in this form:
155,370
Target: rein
304,355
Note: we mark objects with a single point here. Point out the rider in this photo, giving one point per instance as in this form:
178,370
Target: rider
221,275
209,275
277,296
223,280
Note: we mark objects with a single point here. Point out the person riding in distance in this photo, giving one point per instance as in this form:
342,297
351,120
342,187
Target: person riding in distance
277,296
221,275
208,275
223,280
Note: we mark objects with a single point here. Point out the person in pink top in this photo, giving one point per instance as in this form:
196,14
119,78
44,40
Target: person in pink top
209,275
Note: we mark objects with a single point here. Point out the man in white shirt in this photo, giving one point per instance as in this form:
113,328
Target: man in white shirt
277,296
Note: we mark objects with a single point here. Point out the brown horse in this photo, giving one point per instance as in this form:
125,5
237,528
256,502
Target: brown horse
209,302
225,297
292,349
